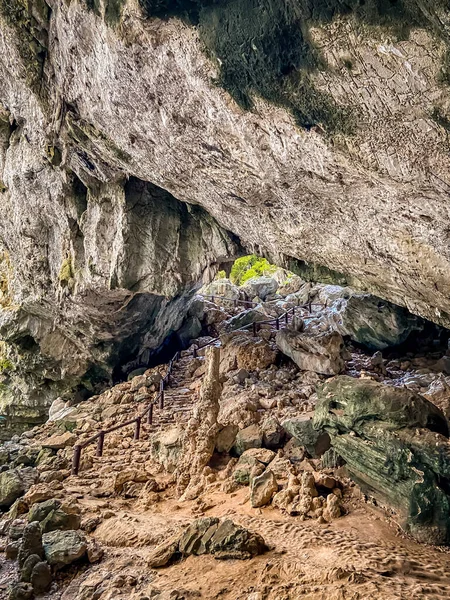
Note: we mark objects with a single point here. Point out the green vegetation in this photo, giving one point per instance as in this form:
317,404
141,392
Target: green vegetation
66,273
5,364
250,266
220,275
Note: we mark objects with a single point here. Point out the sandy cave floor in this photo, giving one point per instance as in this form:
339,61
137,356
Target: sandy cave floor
359,556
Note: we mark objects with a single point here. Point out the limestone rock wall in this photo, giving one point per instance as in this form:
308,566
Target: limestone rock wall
130,145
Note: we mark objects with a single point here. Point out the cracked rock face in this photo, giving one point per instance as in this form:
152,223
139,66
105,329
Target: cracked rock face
124,166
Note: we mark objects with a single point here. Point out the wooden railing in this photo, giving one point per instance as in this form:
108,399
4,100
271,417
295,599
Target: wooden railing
256,325
137,421
159,398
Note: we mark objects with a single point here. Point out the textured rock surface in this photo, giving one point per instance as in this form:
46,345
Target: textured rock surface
263,488
223,539
241,351
260,287
88,258
63,547
367,319
320,352
14,483
301,428
200,436
395,444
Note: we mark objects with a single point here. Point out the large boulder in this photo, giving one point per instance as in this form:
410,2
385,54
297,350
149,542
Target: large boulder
31,543
208,535
246,317
249,437
63,547
260,287
367,319
241,350
223,539
59,441
263,488
14,483
395,444
222,288
166,448
51,516
321,352
226,437
254,457
301,428
289,285
190,330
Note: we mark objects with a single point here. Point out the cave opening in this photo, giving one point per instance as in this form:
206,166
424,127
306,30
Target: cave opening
423,338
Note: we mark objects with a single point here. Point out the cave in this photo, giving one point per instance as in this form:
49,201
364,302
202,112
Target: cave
224,299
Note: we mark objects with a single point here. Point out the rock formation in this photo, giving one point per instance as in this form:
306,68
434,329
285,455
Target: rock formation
199,439
395,444
321,352
223,539
134,136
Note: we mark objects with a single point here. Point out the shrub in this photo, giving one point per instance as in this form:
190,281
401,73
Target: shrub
5,364
241,265
262,267
250,266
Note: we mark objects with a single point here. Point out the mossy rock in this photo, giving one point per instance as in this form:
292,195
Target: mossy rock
53,155
395,445
31,22
66,273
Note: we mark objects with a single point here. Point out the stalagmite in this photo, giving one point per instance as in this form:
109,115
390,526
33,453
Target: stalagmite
201,432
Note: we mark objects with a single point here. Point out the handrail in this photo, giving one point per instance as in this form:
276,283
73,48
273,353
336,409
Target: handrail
236,301
256,325
159,398
137,421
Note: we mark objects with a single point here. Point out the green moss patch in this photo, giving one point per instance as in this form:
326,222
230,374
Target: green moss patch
66,273
5,365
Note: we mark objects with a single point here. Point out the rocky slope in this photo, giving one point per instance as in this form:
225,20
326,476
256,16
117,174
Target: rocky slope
233,491
135,137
